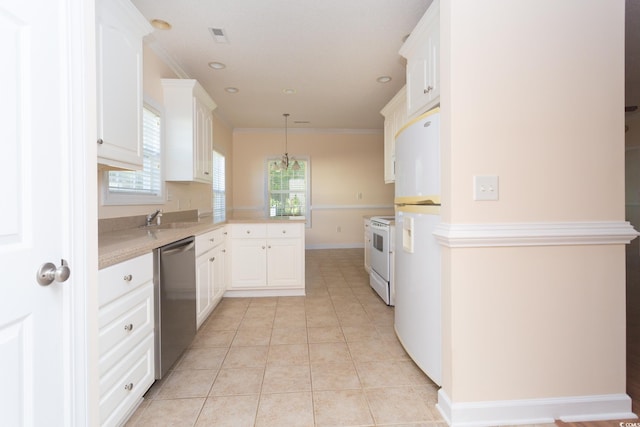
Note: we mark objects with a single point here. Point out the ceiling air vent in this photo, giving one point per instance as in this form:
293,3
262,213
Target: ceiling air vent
218,35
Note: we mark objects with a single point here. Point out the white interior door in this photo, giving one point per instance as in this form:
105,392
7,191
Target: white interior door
39,368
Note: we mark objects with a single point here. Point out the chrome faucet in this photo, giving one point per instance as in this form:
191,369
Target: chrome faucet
153,216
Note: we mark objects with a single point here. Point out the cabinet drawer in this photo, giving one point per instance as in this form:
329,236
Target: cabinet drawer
284,230
249,231
125,384
121,278
123,323
210,239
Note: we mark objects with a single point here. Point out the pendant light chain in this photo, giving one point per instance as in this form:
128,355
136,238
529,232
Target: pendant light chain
283,164
285,157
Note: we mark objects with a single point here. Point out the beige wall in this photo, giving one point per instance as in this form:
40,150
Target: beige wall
532,91
181,196
343,164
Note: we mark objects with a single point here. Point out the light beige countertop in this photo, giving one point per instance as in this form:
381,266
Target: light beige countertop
121,245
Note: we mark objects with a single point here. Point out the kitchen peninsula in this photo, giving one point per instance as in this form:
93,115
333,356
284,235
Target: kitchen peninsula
269,253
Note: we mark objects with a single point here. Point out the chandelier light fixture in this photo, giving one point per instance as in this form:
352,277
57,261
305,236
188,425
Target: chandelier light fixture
286,161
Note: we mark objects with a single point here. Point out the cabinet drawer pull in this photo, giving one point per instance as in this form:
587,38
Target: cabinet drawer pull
225,233
128,327
224,250
212,240
248,231
263,247
206,173
428,89
212,259
128,278
128,387
269,246
100,141
284,231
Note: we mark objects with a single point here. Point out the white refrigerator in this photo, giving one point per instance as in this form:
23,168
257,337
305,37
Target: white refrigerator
418,322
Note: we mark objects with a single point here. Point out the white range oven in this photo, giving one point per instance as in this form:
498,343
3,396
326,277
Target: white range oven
382,245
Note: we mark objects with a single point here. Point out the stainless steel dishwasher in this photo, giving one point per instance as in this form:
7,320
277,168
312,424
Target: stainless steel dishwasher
175,301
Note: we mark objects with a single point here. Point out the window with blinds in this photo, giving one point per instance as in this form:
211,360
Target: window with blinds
288,189
219,188
145,186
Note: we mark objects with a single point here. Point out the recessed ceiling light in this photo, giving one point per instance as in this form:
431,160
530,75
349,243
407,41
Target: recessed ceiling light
383,79
232,89
159,24
288,91
217,65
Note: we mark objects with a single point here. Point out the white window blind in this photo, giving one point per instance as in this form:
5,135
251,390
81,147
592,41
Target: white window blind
219,188
288,190
145,186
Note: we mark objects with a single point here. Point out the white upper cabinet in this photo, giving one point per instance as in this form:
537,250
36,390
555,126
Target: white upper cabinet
189,131
395,116
422,51
119,31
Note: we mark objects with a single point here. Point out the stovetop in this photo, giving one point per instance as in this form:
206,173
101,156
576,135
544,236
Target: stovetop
384,219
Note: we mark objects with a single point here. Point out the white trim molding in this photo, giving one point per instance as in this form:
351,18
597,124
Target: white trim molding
535,411
256,293
535,234
311,131
349,207
359,245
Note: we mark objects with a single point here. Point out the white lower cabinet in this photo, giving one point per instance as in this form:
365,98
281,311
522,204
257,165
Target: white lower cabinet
126,337
210,272
266,259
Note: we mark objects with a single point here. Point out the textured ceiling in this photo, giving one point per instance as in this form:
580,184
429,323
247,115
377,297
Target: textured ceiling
329,51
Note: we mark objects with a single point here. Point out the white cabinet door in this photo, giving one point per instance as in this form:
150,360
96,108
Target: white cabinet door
204,281
204,141
189,130
219,272
395,116
422,50
119,31
248,263
45,330
284,261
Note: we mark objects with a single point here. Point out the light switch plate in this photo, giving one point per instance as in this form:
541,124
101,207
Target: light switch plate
485,187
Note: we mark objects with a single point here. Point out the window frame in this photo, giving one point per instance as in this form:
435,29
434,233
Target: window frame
267,191
110,198
213,183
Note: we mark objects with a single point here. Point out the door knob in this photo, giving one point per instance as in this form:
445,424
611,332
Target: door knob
49,273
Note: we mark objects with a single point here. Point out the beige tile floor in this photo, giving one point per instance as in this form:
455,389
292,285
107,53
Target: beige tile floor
330,358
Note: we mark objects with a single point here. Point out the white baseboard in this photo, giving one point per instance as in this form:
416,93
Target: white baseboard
535,411
256,293
358,245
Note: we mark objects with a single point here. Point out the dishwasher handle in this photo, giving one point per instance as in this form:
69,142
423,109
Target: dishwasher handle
184,245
